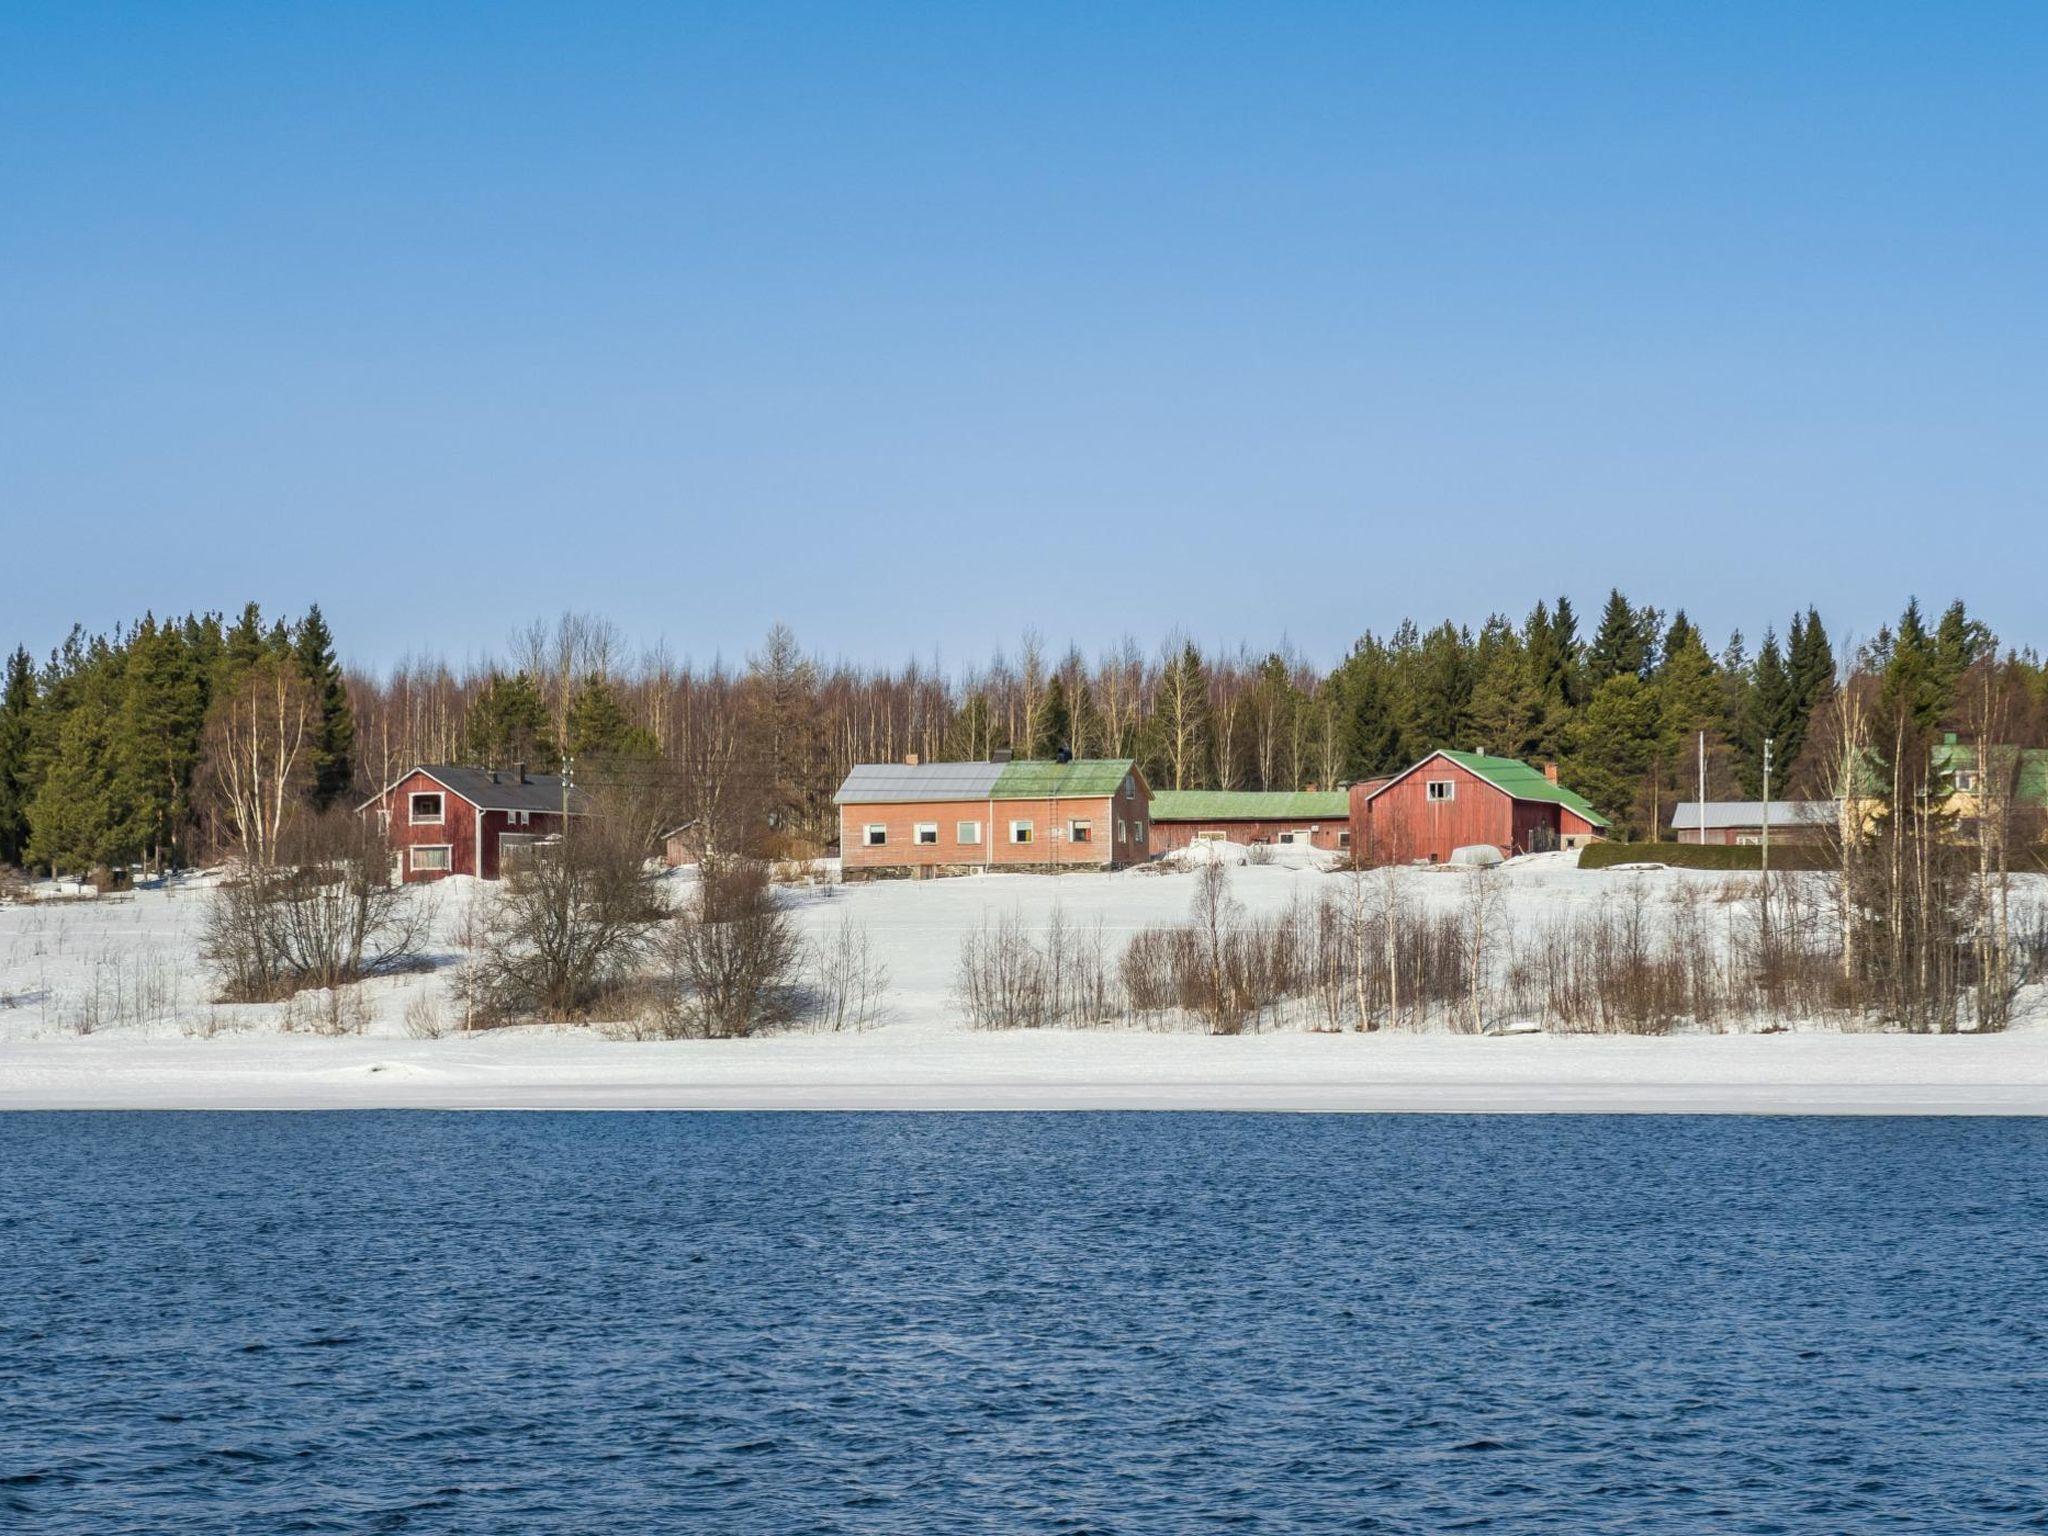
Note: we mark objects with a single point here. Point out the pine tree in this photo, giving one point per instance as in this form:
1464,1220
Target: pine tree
163,712
507,723
1052,721
334,741
599,726
75,821
17,706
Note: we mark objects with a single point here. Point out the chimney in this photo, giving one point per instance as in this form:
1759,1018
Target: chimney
1000,755
910,759
494,775
519,770
1064,755
1550,772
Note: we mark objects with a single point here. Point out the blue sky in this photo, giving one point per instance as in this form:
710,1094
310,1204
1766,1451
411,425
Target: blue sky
920,324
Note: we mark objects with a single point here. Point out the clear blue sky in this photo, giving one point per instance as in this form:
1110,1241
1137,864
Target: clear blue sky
918,325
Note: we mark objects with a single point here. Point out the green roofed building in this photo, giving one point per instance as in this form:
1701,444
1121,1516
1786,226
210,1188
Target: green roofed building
1284,818
1452,801
914,818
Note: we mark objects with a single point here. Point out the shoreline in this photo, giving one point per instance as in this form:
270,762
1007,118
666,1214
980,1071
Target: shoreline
907,1070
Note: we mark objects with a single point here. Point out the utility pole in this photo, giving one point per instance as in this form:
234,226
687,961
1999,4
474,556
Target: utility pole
1701,835
1766,896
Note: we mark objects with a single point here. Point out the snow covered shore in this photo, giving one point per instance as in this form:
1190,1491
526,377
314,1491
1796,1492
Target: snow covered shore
128,974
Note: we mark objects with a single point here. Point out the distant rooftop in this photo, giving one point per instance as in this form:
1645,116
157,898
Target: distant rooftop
1730,815
1025,779
1250,805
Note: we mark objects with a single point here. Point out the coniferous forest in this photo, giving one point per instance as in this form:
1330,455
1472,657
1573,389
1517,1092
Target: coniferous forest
171,741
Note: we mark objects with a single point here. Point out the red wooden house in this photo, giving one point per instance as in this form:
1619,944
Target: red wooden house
444,820
1453,800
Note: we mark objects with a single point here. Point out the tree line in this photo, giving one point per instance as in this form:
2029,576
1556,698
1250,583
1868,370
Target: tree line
169,741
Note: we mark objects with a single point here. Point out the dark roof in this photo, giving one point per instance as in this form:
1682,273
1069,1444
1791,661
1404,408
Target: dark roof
540,792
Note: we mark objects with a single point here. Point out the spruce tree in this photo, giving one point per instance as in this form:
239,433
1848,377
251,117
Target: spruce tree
17,706
334,734
1770,713
1625,643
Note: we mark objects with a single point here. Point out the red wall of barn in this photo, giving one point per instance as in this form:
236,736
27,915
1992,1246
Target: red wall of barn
1402,824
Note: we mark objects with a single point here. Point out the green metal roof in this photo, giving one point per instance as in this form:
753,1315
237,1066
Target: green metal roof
1951,758
1249,805
1041,779
1514,777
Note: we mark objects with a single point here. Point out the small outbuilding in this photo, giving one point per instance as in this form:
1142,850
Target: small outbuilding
913,818
444,820
1283,818
1453,800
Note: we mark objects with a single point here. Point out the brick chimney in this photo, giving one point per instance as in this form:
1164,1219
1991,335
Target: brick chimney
910,759
1550,772
519,772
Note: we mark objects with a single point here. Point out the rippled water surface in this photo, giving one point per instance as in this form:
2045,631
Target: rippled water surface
1021,1323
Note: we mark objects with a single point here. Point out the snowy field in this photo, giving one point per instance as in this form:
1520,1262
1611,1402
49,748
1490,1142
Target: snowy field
107,1004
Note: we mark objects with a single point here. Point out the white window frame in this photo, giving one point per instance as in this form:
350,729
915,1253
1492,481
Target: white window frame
1121,828
445,867
1344,837
967,834
1080,829
925,834
1023,833
1130,789
1291,837
875,835
412,809
1431,786
1212,835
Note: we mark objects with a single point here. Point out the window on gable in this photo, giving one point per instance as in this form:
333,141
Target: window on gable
1442,789
426,809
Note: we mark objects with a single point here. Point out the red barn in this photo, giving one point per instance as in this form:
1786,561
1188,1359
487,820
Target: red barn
1453,800
443,820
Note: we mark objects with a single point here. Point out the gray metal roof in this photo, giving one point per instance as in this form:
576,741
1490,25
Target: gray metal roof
1732,814
886,783
540,792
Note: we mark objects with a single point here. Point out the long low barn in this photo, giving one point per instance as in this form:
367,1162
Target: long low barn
1306,818
1742,821
916,818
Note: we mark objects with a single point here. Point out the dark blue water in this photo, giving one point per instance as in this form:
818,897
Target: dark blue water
1026,1323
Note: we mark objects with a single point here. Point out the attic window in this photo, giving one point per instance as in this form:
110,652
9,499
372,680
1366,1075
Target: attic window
1441,789
426,810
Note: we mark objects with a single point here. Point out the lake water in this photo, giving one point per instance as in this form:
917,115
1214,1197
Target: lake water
1021,1323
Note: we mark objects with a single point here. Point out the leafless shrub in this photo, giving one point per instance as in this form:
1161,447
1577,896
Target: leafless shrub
1229,972
846,979
1011,979
1258,853
568,924
733,955
124,989
423,1020
322,915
